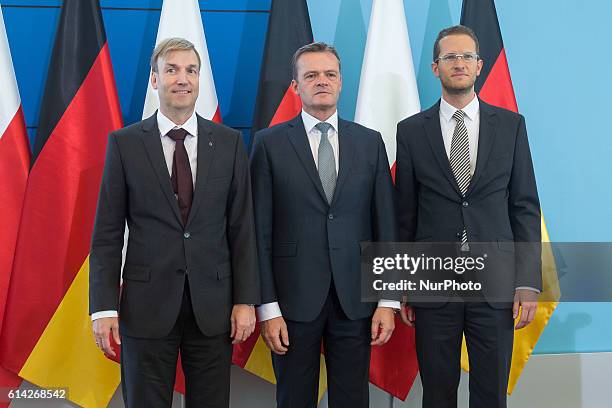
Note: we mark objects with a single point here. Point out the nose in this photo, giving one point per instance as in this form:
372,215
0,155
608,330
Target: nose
181,77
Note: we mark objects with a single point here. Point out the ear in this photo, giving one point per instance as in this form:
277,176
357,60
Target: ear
295,87
435,70
479,65
154,79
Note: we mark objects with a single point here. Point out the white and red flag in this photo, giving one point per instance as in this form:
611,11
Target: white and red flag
14,167
387,94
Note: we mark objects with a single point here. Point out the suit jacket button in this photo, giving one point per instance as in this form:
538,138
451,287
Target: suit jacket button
458,235
186,235
330,216
465,204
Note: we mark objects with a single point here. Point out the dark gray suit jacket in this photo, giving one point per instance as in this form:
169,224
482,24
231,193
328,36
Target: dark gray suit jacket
500,206
216,248
302,240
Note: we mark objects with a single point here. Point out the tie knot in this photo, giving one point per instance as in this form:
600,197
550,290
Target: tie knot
323,127
178,135
458,115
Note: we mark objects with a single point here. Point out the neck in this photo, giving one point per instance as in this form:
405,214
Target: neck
459,100
178,117
322,114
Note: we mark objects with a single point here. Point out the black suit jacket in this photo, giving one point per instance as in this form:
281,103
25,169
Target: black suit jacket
215,249
302,240
500,206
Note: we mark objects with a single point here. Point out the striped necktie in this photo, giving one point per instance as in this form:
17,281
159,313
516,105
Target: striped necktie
460,162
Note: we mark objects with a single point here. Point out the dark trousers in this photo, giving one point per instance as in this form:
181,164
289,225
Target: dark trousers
347,358
148,366
489,335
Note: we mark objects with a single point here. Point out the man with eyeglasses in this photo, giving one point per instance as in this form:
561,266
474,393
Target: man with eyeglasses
464,175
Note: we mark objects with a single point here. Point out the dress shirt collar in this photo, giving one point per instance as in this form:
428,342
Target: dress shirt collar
471,109
165,124
310,121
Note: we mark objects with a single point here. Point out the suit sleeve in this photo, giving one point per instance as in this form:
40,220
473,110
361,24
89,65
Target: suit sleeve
241,232
383,199
264,209
406,188
524,211
109,228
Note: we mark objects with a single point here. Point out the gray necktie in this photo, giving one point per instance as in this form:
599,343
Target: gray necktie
327,162
460,162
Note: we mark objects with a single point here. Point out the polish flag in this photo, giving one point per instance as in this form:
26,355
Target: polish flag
182,18
14,167
387,94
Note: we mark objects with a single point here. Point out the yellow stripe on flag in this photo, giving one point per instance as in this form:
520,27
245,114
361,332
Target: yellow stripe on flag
66,355
260,364
526,338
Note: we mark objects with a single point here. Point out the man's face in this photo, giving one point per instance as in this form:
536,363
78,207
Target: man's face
457,77
318,81
177,81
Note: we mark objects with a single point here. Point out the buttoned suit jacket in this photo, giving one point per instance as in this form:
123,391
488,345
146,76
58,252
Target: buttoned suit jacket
303,241
215,250
500,207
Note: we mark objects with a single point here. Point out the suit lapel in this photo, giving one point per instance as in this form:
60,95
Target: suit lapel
434,135
486,137
206,149
345,157
152,142
299,140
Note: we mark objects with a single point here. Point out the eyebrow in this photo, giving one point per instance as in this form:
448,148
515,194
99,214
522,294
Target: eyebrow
169,65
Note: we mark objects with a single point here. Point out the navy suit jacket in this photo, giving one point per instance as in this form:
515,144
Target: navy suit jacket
500,206
303,242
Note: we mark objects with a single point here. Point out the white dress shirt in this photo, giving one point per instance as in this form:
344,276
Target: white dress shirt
191,145
271,310
472,124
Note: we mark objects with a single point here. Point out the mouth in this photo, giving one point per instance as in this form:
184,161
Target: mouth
182,92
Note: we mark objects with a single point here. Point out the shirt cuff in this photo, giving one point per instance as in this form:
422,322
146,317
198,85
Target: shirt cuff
104,313
268,311
528,288
394,304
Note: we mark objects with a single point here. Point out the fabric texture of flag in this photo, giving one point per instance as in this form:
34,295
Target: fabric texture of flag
14,168
182,18
494,86
387,94
47,335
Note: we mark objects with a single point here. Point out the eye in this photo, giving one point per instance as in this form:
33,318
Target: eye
469,57
310,76
449,57
170,70
332,75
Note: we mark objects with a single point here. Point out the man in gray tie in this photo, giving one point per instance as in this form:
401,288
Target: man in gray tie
464,175
321,186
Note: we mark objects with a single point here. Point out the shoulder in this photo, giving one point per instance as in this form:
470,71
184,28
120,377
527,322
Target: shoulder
504,115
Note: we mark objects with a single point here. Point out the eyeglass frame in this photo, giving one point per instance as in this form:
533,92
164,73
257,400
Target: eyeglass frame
452,57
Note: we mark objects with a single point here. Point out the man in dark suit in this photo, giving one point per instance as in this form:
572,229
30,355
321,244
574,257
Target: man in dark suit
190,277
464,175
321,185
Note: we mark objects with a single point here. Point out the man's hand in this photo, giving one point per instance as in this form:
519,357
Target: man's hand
243,322
527,300
102,329
383,324
275,334
407,314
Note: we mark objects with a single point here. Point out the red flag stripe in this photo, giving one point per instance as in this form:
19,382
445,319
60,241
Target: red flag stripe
58,211
497,88
290,106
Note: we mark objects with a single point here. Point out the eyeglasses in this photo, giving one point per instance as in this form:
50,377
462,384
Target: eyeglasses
452,58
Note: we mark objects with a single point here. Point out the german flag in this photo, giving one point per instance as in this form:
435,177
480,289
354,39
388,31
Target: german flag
47,337
494,86
288,29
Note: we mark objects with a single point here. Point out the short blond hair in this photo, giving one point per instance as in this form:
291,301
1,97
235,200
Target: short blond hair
172,44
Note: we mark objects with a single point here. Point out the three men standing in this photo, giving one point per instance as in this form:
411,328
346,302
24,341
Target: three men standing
190,277
464,174
321,186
